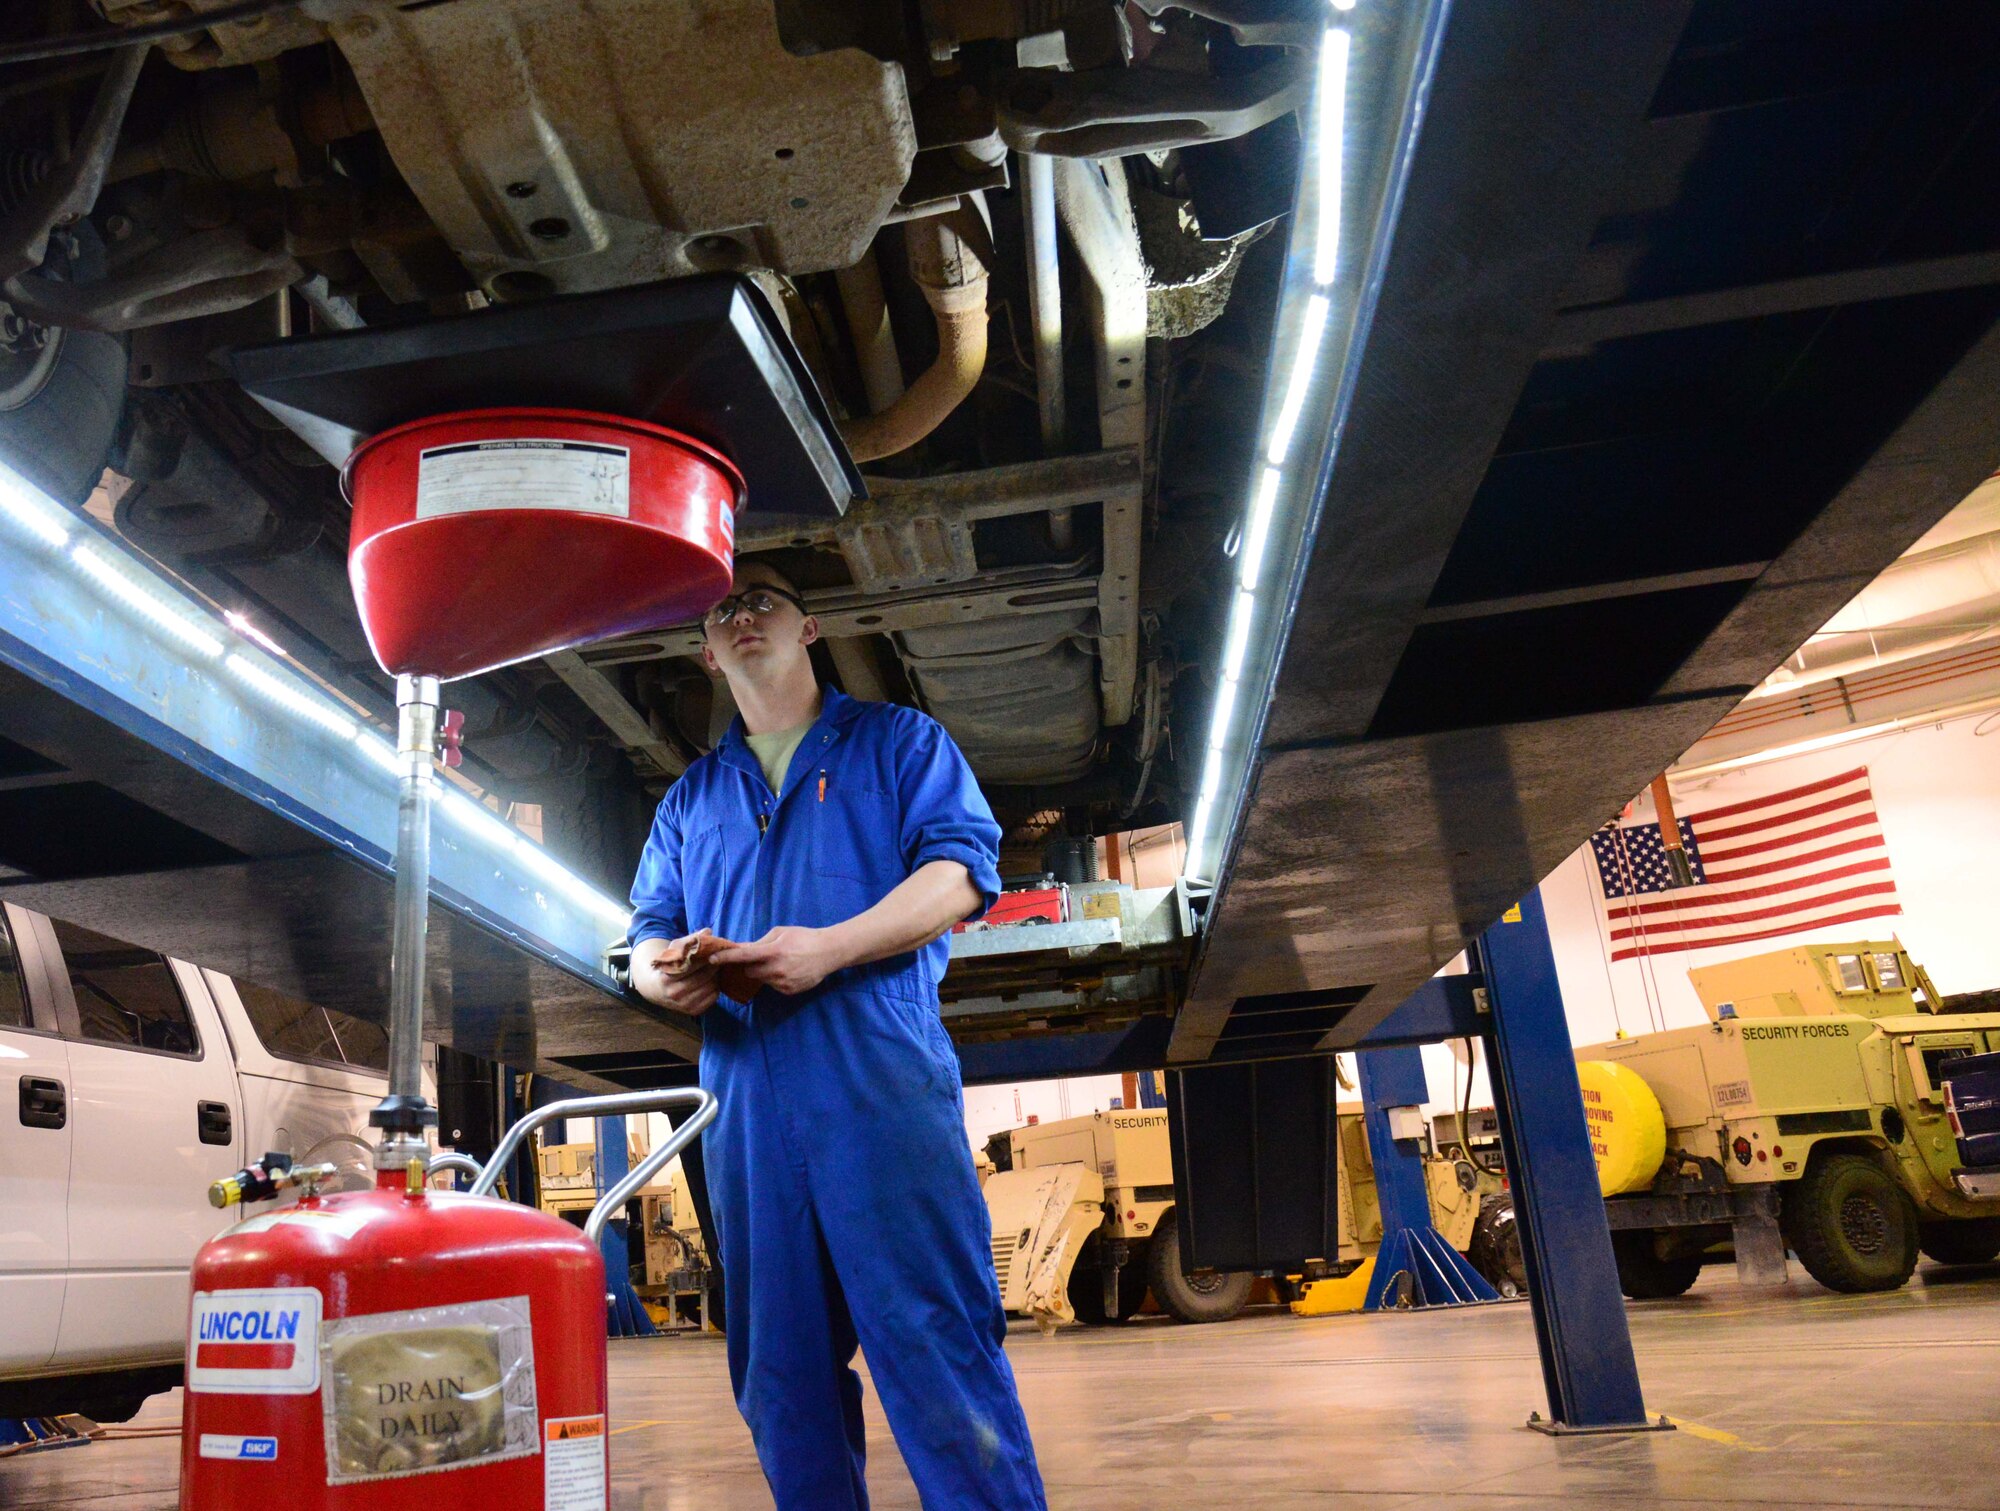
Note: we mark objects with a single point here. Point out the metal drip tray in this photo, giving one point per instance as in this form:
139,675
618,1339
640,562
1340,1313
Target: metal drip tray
704,356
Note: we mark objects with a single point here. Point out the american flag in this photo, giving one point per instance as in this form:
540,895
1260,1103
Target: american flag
1787,863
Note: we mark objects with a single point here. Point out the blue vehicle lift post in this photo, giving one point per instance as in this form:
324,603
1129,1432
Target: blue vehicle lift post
1437,1274
1580,1329
626,1317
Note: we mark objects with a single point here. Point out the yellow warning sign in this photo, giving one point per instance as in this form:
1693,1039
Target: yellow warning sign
1628,1132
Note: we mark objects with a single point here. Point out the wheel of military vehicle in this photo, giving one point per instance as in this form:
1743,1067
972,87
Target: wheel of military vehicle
1975,1240
1086,1287
1643,1274
1207,1296
1853,1228
1495,1250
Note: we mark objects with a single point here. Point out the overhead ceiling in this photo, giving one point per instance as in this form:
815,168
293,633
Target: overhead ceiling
1685,333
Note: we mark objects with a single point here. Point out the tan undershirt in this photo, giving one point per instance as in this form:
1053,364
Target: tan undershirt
774,751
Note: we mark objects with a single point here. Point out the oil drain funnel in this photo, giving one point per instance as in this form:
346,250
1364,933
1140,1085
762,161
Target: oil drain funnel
487,528
479,538
487,537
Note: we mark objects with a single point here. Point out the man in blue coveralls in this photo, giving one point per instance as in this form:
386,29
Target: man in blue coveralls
836,842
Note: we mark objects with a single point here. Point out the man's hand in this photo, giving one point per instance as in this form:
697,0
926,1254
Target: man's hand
790,960
653,977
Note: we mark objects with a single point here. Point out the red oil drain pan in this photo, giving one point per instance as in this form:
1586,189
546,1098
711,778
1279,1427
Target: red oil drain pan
490,536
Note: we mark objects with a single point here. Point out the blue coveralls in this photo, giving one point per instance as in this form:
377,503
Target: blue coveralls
838,1170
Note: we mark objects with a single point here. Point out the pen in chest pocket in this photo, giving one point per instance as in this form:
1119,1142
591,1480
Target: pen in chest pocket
822,786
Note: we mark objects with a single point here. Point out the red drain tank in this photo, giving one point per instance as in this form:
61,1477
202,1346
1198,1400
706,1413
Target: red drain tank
388,1348
490,536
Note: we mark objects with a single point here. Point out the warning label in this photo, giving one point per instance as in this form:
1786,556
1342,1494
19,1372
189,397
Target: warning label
1598,1119
524,474
573,1464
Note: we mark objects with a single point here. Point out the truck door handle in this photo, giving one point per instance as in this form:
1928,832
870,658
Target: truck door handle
43,1103
215,1122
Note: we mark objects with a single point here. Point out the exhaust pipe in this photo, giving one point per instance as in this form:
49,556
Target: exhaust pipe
947,262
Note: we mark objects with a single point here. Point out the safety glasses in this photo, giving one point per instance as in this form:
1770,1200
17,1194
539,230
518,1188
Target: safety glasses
761,602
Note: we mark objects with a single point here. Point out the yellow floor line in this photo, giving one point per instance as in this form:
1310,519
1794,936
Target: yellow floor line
1731,1440
1714,1435
635,1426
1881,1422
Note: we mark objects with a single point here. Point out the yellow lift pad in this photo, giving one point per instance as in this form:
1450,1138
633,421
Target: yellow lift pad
1325,1297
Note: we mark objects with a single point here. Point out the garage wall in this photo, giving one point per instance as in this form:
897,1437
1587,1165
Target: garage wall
994,1109
1937,793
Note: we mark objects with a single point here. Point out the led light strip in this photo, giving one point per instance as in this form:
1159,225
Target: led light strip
142,593
1323,178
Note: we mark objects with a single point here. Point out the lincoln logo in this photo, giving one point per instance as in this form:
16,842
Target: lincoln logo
247,1338
250,1327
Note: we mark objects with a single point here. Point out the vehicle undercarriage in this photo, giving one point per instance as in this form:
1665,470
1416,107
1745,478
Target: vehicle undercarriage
1019,244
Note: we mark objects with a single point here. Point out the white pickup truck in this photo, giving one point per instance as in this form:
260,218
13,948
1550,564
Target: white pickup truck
136,1080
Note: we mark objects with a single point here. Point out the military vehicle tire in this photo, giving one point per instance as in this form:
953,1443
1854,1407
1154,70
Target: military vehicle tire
1211,1296
1086,1287
1643,1274
1495,1250
1973,1240
1853,1228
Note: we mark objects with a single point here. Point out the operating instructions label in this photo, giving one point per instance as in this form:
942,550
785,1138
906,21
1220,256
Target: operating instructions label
573,1464
578,476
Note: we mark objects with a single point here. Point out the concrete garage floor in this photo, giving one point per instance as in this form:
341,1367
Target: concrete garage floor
1797,1398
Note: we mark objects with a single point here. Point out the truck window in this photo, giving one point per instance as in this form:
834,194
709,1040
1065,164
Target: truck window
364,1045
1936,1059
295,1030
13,1000
1848,969
125,995
1889,973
